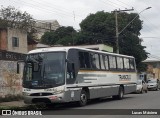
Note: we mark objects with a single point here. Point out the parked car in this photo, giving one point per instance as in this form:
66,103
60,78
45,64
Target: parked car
141,86
153,84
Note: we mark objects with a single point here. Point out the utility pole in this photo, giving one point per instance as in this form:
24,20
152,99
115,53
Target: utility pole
50,26
116,21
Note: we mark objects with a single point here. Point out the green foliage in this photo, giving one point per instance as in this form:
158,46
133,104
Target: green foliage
13,18
63,36
100,28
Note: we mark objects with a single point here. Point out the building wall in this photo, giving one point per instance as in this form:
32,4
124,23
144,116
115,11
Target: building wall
46,25
31,47
10,81
3,39
22,36
153,68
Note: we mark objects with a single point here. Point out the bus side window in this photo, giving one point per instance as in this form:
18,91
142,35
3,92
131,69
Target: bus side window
126,64
87,60
132,67
81,60
102,62
70,73
84,60
112,62
119,63
106,62
95,61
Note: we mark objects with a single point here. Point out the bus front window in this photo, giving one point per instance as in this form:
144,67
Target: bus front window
44,70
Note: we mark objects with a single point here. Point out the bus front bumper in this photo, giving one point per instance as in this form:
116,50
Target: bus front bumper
59,98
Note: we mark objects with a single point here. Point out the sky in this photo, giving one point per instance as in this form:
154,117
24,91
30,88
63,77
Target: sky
72,12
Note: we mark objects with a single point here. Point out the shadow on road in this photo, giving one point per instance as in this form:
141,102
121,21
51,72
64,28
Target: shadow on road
73,105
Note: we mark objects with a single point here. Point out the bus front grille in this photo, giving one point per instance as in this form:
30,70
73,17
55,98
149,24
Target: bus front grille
41,94
41,100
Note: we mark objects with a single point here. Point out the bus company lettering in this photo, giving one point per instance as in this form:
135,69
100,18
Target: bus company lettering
124,77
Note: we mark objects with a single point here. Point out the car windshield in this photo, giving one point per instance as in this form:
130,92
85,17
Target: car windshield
44,70
152,81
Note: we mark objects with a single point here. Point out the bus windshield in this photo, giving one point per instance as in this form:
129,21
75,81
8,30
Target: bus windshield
44,70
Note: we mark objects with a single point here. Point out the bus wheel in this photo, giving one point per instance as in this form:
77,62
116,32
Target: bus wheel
83,98
120,94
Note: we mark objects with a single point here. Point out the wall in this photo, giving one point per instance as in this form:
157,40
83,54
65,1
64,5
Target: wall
10,81
3,39
31,47
153,68
22,35
46,25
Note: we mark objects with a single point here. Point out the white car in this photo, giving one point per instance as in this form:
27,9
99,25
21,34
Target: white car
153,84
141,86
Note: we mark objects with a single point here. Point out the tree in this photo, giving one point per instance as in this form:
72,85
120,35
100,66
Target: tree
62,35
100,27
13,18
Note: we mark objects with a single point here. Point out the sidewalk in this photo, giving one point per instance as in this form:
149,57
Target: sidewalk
13,103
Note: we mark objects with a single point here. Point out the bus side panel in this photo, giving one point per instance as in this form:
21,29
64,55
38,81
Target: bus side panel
129,88
103,91
73,94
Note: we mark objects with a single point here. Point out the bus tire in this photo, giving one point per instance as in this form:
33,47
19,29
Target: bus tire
83,98
120,94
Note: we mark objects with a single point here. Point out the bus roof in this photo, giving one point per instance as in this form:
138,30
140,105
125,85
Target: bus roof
65,49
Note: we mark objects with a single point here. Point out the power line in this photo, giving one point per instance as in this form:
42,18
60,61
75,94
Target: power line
48,10
117,32
147,27
107,4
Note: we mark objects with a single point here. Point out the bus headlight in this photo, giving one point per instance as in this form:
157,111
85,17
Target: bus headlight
58,91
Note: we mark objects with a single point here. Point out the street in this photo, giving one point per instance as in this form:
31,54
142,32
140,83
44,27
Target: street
148,100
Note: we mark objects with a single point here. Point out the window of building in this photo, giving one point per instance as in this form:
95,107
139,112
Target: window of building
15,42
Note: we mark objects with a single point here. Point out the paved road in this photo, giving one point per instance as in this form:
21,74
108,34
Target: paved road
151,100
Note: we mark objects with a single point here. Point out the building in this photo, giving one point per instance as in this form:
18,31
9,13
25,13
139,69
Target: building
13,47
31,44
153,67
13,40
43,26
10,80
101,47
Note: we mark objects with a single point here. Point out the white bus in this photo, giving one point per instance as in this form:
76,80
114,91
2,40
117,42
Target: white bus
68,74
